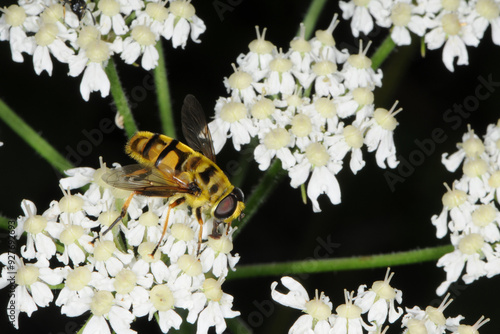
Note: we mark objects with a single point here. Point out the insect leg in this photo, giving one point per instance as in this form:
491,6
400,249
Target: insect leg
200,221
170,206
64,8
122,214
120,217
91,15
215,229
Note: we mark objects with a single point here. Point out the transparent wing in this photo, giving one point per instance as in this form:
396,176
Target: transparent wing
195,128
146,180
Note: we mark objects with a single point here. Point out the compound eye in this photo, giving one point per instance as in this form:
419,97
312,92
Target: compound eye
226,207
238,194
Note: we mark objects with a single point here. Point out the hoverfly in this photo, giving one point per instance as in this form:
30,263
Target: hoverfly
184,174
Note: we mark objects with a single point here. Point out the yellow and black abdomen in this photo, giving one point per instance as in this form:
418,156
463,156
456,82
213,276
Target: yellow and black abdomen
160,151
173,157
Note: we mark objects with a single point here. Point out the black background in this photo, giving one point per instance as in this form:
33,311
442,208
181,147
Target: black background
371,219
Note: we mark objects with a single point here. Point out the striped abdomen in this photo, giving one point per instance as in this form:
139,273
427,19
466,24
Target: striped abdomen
171,156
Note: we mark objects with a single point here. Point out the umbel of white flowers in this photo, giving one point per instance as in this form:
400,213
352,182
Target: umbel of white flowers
369,310
116,280
46,30
470,209
453,24
310,107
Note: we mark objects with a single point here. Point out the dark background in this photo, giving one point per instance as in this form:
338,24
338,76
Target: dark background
371,219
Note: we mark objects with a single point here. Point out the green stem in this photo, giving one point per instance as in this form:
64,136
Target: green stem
57,287
5,225
382,52
163,94
120,99
265,187
311,17
40,145
340,264
243,165
238,326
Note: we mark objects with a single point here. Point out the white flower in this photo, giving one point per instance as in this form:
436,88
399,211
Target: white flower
180,238
183,22
485,221
328,81
447,29
280,78
361,14
358,72
490,143
78,289
231,121
317,162
242,86
432,319
111,18
405,17
469,251
161,299
92,57
49,42
274,142
141,41
379,301
458,329
475,178
74,237
380,136
210,307
77,177
14,24
38,242
147,262
348,318
107,259
261,54
317,310
471,147
324,46
459,206
217,257
300,55
148,226
32,281
104,307
486,13
347,139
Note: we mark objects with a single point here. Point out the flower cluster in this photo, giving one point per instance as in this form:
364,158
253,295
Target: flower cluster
309,107
87,38
470,209
367,312
118,277
454,24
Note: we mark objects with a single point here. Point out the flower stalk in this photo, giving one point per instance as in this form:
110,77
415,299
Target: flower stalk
163,94
311,17
382,52
33,139
120,99
340,264
266,186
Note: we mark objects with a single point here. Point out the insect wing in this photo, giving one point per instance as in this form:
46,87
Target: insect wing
195,127
146,180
